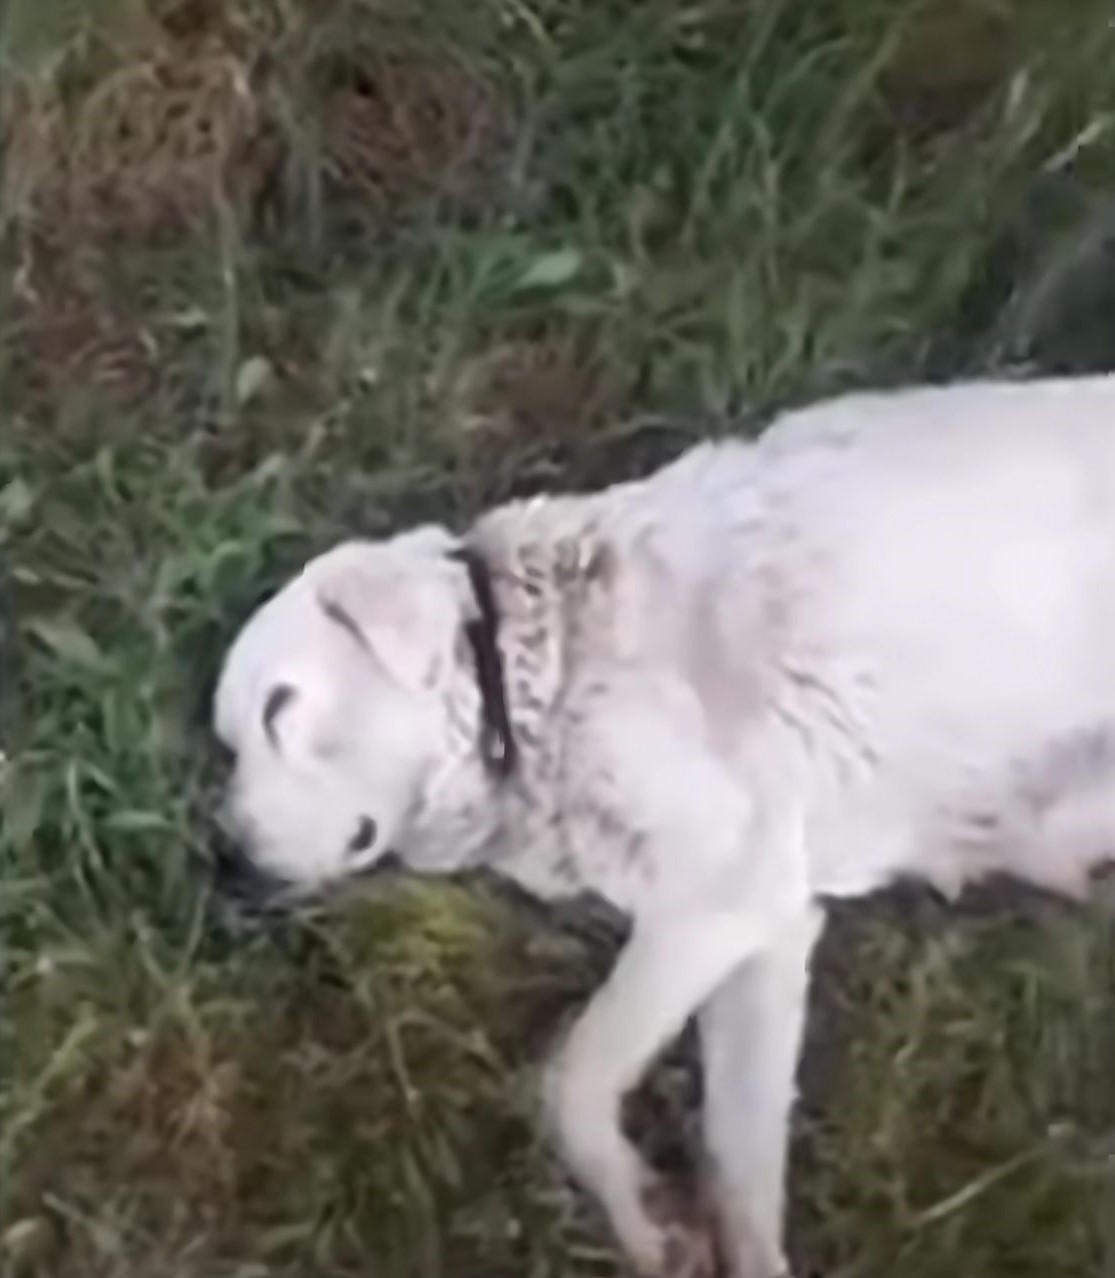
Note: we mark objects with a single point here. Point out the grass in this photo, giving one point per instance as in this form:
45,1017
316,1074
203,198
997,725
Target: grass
417,258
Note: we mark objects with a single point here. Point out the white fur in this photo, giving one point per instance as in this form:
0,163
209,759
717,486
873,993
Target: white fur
880,641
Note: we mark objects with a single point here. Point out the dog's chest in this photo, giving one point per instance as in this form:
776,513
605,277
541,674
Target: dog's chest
563,840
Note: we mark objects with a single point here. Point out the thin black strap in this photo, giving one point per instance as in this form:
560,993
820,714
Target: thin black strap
497,742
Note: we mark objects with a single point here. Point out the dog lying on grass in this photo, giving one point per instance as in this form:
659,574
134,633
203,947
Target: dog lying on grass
879,642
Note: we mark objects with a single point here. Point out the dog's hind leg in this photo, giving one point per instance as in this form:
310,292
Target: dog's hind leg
751,1032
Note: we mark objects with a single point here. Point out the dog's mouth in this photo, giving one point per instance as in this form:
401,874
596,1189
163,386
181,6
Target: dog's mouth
254,889
241,880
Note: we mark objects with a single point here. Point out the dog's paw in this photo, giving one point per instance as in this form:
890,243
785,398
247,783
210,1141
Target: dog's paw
687,1253
687,1242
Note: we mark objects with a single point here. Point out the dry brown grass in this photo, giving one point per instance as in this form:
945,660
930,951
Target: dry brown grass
195,111
188,123
148,150
71,334
399,126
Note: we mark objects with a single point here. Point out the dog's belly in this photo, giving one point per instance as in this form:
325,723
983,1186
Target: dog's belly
1045,814
988,725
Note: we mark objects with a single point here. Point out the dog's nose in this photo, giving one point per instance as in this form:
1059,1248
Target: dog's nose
239,877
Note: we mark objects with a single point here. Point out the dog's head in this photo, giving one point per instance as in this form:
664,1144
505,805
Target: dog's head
331,702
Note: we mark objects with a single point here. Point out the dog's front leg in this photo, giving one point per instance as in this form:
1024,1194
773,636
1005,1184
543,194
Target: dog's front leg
667,970
751,1031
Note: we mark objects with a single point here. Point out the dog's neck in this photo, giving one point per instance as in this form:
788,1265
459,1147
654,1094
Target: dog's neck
485,805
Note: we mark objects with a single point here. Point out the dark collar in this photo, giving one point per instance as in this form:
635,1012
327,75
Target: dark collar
497,743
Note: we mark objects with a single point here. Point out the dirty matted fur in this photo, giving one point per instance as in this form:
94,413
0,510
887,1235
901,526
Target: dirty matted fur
877,642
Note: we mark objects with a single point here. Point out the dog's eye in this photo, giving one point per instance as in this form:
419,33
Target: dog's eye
364,837
279,696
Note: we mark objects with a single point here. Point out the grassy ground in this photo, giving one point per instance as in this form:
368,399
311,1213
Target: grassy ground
275,271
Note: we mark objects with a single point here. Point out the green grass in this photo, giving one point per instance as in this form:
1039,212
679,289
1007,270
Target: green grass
702,212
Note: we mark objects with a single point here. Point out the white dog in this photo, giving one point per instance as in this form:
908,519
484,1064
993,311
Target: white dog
877,642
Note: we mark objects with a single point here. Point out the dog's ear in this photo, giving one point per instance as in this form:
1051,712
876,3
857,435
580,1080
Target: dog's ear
401,608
